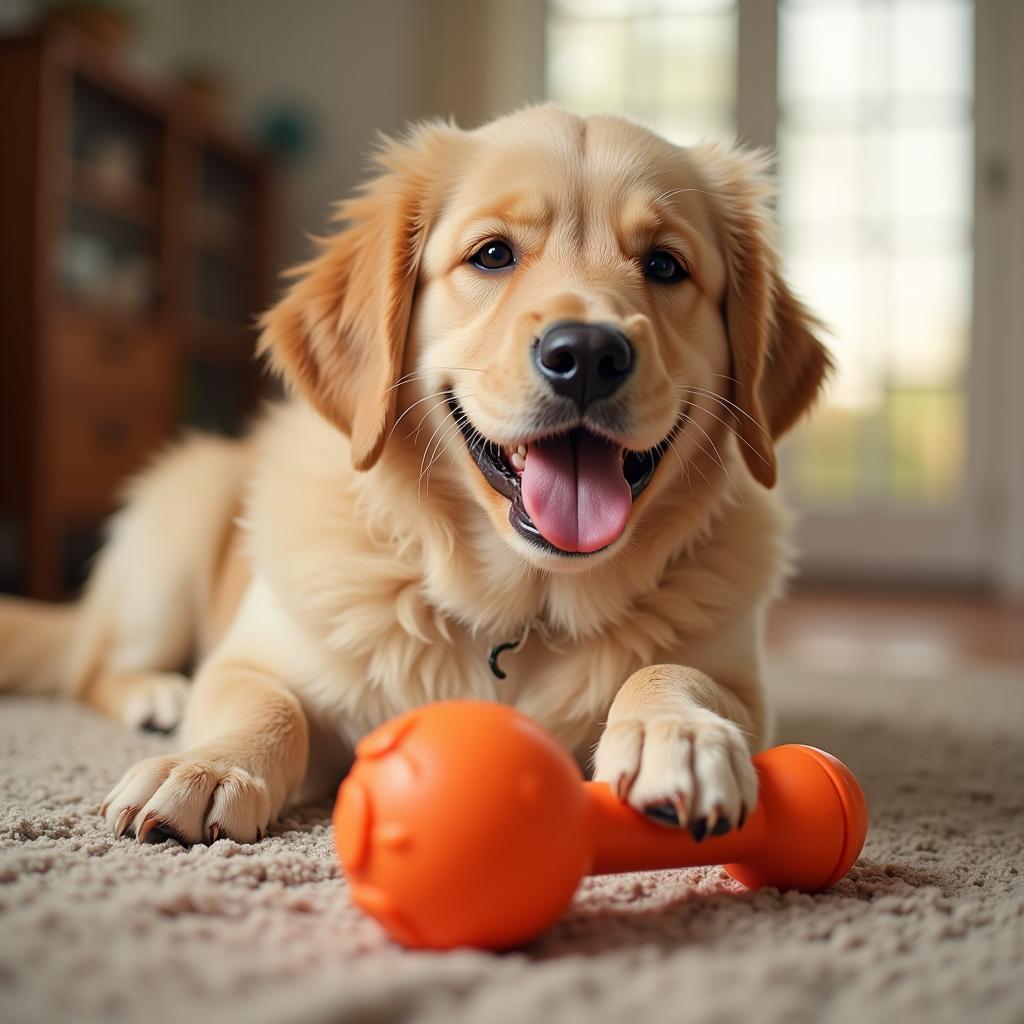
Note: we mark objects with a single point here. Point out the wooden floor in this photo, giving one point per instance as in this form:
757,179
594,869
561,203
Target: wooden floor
901,632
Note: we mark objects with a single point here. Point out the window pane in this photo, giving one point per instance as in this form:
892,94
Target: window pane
876,154
697,58
926,443
670,64
592,8
823,175
837,287
930,310
828,469
820,51
588,63
932,49
930,173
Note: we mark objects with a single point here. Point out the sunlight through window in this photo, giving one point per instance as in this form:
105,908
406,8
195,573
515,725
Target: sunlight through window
668,63
875,157
875,146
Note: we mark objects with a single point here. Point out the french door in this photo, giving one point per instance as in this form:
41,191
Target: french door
896,220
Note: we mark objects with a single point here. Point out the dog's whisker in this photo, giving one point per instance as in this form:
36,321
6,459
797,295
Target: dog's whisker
420,374
679,191
427,448
691,463
670,444
680,383
442,446
437,394
462,421
407,378
682,466
718,456
703,373
415,435
447,440
453,450
728,426
725,401
441,396
703,451
440,431
437,448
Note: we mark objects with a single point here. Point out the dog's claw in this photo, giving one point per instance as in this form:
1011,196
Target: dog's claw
623,784
214,832
682,812
124,819
663,814
717,823
148,823
151,725
699,829
712,819
742,818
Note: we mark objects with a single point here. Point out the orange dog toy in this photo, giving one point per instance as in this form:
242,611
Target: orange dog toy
465,823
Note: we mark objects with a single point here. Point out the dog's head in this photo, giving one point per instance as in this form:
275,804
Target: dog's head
573,302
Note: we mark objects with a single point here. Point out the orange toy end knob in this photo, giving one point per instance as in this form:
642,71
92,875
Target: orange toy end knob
818,821
483,847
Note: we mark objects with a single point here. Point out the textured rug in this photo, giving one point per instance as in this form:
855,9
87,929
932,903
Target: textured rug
929,926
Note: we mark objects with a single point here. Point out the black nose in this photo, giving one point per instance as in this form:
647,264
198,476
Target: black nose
584,362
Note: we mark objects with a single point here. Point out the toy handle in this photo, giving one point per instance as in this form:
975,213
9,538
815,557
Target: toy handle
805,833
626,840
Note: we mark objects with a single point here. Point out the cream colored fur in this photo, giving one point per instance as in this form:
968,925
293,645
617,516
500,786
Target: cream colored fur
374,568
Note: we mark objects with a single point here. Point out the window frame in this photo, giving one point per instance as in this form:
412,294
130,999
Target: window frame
960,542
979,539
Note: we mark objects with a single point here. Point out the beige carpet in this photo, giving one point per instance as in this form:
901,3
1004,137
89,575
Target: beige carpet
928,927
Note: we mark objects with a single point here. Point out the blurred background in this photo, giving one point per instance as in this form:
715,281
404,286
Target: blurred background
162,160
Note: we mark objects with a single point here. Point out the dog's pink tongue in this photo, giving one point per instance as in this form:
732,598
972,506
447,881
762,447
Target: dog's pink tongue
574,491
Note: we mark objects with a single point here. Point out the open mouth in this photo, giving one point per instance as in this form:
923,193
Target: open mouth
571,492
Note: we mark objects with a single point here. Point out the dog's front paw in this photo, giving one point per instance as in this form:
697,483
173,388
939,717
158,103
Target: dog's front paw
193,798
156,702
691,769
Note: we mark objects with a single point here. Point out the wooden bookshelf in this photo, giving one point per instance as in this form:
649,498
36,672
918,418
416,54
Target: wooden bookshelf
135,252
129,200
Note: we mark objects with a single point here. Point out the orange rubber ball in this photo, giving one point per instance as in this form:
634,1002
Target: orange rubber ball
407,826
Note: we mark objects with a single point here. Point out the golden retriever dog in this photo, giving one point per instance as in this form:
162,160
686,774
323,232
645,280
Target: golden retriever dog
535,384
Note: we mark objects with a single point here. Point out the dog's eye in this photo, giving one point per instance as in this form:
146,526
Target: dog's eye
664,268
493,255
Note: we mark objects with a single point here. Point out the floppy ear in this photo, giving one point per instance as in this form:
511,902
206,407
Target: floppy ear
338,335
778,364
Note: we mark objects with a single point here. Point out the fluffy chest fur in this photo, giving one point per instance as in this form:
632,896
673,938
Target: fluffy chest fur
401,596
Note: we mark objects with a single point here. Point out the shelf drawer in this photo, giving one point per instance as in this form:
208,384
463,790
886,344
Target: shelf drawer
111,360
95,446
